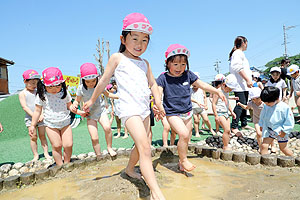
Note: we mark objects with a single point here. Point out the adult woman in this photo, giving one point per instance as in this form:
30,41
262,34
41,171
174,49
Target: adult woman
239,67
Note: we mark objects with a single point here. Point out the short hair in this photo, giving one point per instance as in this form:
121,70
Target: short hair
270,94
172,58
85,86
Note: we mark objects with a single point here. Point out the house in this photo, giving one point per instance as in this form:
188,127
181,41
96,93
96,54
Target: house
4,75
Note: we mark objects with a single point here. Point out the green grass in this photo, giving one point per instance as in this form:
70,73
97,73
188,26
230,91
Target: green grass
15,141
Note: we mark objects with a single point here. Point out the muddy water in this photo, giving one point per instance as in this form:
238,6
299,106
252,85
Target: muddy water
210,180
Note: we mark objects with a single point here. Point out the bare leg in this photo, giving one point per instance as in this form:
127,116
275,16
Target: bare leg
196,124
225,123
284,148
166,131
93,130
139,131
67,142
265,145
125,133
56,143
33,146
258,135
118,127
104,121
173,137
44,142
183,129
207,122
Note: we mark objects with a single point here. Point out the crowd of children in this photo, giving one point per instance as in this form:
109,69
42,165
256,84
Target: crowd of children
179,96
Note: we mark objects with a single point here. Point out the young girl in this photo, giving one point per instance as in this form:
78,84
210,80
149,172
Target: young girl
220,109
199,105
257,105
134,76
276,81
276,120
97,112
175,85
55,101
256,80
27,98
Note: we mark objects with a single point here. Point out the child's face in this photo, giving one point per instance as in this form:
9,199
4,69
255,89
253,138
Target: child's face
136,43
31,84
295,75
275,75
257,101
177,66
226,88
53,89
91,83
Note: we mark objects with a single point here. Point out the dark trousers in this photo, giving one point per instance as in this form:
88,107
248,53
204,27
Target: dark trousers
241,114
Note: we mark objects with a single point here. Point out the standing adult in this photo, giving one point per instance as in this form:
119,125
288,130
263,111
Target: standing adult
239,67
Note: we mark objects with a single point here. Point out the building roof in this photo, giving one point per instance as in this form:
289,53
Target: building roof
5,62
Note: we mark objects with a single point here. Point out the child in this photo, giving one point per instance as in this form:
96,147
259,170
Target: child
276,81
220,109
54,99
27,98
175,86
134,76
199,105
257,105
293,71
97,112
276,120
256,80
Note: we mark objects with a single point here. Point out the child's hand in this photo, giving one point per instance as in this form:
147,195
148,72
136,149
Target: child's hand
161,112
239,104
200,105
281,134
31,130
249,84
73,108
41,118
87,105
233,115
235,98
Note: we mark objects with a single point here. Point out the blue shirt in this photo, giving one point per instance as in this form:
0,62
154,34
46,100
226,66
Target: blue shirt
177,93
278,117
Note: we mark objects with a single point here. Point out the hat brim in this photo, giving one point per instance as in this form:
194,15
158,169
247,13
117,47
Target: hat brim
54,83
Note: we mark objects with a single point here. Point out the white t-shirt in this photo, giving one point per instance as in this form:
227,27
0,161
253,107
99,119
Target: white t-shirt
296,85
133,87
198,96
56,113
280,84
239,62
221,106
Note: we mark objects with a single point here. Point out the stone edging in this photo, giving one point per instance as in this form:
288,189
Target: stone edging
28,178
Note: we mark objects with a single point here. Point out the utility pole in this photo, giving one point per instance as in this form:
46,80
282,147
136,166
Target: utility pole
284,39
217,66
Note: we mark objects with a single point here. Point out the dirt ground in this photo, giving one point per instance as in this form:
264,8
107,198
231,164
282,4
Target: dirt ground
212,179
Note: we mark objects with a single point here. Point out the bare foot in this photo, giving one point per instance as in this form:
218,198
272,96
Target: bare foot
165,146
125,136
117,136
48,157
213,132
226,148
197,135
236,132
111,152
248,127
133,174
186,166
35,158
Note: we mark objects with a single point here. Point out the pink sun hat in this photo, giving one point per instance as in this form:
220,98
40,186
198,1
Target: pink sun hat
137,22
88,71
30,74
176,49
109,86
52,76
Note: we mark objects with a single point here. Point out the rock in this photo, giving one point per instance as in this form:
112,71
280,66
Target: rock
82,156
173,149
54,170
128,151
5,168
79,164
90,161
91,154
70,166
239,157
1,184
42,174
269,160
122,151
253,158
17,166
74,157
216,153
105,152
226,155
27,178
11,182
286,161
13,172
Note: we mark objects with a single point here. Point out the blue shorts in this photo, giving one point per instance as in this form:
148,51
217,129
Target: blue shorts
272,134
224,114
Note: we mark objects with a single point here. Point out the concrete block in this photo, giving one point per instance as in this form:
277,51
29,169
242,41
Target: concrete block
198,149
207,151
1,184
216,153
54,170
297,161
286,161
268,160
191,147
90,161
27,178
239,157
79,164
226,155
11,182
253,158
42,174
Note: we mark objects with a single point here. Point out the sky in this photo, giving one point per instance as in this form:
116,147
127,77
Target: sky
40,34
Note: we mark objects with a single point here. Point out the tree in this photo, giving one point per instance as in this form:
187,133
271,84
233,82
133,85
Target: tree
100,50
276,62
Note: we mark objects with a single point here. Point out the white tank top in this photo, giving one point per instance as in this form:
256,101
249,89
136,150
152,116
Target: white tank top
133,87
30,102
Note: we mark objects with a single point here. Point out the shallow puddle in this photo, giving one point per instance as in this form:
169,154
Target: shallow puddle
210,180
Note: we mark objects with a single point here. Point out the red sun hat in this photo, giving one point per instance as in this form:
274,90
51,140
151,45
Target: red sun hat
52,76
88,71
30,74
176,49
137,22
